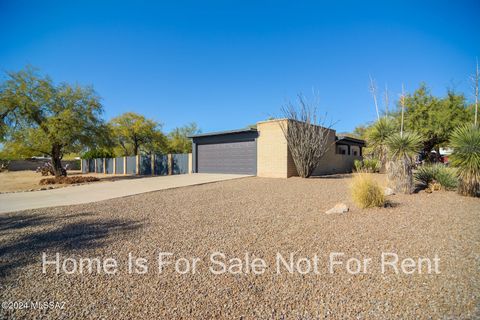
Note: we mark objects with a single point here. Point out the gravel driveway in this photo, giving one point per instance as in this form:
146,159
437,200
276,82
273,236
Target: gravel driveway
261,217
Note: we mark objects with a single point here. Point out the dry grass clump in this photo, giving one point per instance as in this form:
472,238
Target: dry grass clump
366,192
68,180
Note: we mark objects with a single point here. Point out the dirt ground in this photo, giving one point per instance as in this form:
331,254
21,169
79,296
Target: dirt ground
246,219
13,181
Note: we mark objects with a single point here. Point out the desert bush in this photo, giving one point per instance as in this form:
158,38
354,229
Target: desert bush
366,192
465,142
447,178
367,165
437,173
402,149
68,180
358,165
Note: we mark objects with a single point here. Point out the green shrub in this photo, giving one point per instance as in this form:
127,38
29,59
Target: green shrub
372,165
465,142
366,192
447,177
367,165
358,165
439,173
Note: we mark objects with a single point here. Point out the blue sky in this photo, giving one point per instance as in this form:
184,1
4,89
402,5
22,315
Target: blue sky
228,64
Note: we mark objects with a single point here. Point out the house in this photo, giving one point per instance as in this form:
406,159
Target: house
264,152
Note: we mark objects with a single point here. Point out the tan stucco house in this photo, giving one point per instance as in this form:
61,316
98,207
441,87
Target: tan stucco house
264,152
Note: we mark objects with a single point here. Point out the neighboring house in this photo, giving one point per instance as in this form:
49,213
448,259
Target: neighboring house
264,152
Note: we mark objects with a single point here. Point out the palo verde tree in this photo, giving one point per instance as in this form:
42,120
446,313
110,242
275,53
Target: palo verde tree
40,117
306,134
178,141
434,118
134,133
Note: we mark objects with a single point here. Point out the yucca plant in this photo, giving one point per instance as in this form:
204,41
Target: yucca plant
465,141
402,148
437,173
377,136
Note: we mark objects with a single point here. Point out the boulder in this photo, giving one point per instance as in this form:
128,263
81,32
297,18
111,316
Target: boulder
338,208
388,192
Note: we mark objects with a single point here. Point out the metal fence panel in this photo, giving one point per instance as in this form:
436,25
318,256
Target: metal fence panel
109,165
91,165
161,165
132,165
99,168
146,165
84,165
119,165
180,163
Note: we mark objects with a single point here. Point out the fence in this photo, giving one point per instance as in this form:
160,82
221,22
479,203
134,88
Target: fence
33,164
157,164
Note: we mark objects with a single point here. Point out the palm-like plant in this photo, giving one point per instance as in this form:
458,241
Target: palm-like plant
465,142
402,148
377,136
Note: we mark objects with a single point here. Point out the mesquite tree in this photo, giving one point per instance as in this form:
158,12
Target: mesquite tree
307,136
38,117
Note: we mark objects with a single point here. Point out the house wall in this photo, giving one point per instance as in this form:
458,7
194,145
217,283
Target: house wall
273,158
275,161
333,162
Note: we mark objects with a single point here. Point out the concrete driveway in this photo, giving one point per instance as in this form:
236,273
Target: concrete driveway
104,190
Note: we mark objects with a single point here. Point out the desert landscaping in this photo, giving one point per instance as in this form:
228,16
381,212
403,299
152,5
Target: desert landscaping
261,217
21,181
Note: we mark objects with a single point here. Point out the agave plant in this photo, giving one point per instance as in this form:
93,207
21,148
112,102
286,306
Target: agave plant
437,173
377,137
465,142
402,148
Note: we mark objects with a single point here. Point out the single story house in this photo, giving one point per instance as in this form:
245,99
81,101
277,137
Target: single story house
264,152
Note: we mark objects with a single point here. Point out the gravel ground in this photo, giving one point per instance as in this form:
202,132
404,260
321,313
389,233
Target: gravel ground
258,216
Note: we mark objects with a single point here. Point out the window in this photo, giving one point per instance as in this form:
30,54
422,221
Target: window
341,149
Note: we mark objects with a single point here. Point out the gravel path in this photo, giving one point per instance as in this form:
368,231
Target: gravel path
254,215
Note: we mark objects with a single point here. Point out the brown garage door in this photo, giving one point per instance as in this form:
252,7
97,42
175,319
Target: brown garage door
230,157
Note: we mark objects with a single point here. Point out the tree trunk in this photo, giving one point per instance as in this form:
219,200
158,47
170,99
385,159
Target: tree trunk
57,161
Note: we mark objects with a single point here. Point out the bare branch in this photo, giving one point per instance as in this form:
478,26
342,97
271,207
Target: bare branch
306,134
475,79
402,103
373,91
386,100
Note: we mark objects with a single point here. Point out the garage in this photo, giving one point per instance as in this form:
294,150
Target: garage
226,152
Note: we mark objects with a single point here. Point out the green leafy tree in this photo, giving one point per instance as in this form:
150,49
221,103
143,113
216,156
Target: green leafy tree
178,141
40,117
434,118
133,133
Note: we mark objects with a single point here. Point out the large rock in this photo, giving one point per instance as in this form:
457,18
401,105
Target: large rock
339,208
388,192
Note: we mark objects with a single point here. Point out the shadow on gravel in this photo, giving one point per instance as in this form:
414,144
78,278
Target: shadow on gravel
18,252
332,176
20,221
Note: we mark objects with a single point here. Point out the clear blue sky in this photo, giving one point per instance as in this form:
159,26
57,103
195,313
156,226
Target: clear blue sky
228,64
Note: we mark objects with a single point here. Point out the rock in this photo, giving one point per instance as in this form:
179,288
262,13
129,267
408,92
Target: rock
338,208
388,192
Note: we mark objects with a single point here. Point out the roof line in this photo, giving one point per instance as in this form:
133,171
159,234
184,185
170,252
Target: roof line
222,132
